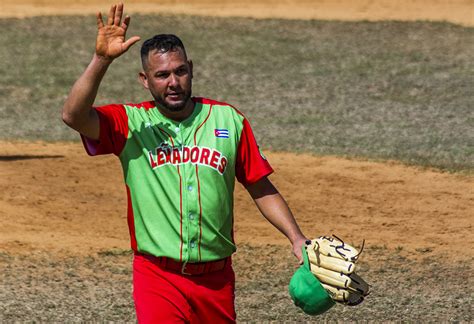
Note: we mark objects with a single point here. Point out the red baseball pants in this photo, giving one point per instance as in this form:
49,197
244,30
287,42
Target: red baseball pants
164,296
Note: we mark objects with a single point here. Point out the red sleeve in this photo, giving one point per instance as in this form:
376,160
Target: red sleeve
251,165
113,131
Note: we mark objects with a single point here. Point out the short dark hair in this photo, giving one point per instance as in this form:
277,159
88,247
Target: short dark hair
162,43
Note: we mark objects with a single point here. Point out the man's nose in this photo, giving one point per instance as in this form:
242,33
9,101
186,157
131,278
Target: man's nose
173,80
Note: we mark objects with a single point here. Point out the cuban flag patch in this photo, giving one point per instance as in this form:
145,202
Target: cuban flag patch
221,132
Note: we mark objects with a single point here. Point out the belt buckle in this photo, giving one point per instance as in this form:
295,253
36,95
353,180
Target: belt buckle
183,269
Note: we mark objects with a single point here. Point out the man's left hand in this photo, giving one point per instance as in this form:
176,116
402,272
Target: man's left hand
297,245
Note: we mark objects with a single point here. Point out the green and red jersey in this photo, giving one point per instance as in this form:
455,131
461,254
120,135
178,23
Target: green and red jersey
180,176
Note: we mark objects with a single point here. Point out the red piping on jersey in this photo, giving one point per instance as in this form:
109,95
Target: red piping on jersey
180,215
243,121
146,105
241,114
199,185
212,102
200,213
205,120
131,221
180,202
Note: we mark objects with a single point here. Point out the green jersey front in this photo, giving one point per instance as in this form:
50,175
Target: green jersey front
180,176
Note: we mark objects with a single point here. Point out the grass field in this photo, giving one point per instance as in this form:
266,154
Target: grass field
78,289
386,90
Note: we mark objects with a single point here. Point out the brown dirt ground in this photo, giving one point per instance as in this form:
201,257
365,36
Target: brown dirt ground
53,197
456,11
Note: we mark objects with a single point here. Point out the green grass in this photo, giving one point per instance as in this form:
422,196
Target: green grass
379,90
42,287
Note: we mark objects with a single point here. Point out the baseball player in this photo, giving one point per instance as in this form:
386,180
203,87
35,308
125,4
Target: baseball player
180,156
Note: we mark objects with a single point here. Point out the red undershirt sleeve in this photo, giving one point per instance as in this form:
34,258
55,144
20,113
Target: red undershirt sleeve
251,165
113,131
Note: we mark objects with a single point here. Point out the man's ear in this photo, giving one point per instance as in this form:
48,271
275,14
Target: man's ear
190,62
143,79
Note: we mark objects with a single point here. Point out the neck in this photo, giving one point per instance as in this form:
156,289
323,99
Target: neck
177,115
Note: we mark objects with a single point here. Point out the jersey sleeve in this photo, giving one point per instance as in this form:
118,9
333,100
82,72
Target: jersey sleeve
113,131
251,165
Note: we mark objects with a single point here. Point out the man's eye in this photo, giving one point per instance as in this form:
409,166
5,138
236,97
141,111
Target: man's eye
182,71
162,75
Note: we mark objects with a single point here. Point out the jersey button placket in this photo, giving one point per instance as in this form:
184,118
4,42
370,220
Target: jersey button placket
188,198
192,225
185,201
191,189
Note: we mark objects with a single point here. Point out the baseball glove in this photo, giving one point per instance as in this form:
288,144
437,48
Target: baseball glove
333,262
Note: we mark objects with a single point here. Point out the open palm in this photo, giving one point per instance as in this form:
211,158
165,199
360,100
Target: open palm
110,42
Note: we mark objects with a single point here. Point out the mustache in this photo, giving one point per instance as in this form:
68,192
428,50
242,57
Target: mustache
176,107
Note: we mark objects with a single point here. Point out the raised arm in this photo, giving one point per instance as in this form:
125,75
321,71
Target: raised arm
110,44
275,209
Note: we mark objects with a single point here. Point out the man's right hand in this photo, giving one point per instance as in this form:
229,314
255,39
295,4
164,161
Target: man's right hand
77,110
110,42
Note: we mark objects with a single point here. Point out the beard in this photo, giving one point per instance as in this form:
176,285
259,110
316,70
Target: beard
175,106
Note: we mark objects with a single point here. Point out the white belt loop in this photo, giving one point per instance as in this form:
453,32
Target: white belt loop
183,268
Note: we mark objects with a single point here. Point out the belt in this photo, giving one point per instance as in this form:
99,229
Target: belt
187,268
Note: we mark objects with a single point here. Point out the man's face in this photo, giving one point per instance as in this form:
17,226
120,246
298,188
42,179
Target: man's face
168,77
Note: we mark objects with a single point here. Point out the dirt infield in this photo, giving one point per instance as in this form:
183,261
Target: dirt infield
456,11
56,198
51,194
64,243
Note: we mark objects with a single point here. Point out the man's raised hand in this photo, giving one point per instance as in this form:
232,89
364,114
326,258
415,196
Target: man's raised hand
110,42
